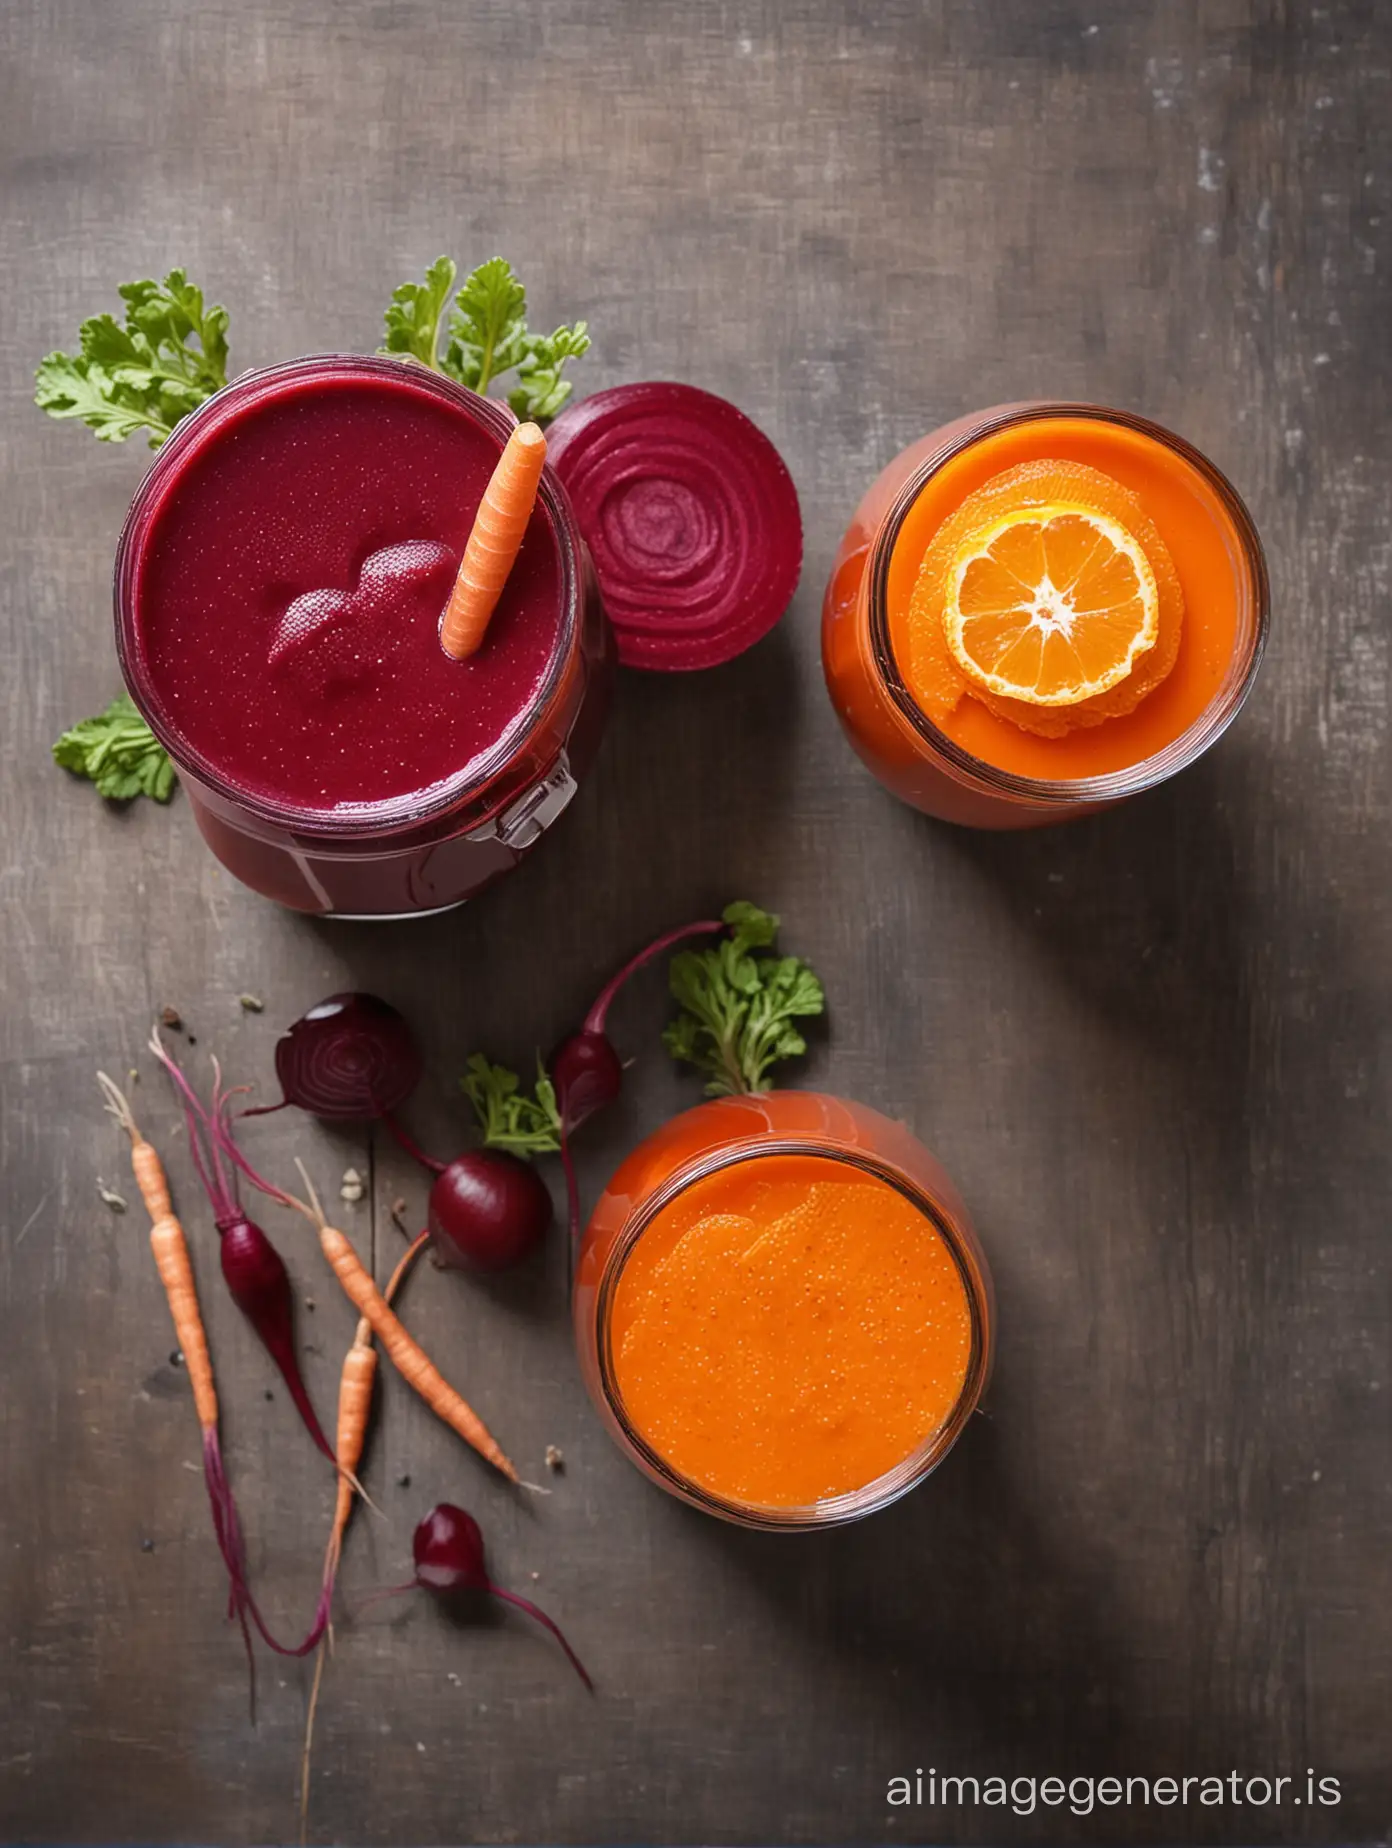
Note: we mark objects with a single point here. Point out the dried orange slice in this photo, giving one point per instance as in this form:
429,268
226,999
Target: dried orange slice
936,676
1050,604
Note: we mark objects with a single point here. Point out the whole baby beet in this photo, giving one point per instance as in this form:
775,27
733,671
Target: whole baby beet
448,1550
488,1211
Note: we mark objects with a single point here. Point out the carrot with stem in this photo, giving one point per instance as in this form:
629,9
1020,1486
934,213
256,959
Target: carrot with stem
500,525
175,1267
401,1348
354,1408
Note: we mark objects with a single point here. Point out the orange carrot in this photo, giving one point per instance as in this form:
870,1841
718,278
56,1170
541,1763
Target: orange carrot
170,1248
406,1354
175,1267
354,1407
402,1349
498,530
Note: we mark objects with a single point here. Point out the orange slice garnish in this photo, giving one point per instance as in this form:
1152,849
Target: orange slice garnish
1050,604
1049,596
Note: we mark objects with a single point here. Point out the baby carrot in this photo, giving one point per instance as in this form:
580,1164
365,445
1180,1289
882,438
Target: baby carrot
499,527
175,1268
354,1407
404,1352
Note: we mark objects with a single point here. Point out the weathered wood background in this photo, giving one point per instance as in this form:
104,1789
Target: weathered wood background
1151,1047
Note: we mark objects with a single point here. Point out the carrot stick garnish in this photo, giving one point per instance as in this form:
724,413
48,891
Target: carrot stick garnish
401,1348
499,528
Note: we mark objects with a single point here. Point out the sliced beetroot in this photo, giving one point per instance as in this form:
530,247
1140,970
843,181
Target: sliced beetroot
351,1057
690,516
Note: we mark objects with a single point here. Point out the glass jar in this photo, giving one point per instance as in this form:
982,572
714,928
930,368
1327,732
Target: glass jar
712,1137
911,755
427,851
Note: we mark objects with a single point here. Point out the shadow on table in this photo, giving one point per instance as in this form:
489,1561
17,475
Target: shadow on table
1150,911
958,1612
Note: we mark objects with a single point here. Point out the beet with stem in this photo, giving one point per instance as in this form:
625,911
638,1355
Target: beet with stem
254,1270
449,1559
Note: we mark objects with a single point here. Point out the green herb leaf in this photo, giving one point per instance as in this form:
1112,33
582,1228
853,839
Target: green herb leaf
487,335
540,390
738,1002
508,1117
488,325
413,319
169,356
118,752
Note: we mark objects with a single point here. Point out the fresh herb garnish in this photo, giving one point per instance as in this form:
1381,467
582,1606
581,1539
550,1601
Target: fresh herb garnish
118,752
145,375
738,1002
486,335
508,1117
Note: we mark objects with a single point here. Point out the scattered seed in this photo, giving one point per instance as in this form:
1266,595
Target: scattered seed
352,1188
269,1394
171,1017
453,1679
398,1208
403,1482
420,1746
536,1575
133,1075
193,1039
555,1458
253,1004
176,1359
147,1546
109,1196
309,1302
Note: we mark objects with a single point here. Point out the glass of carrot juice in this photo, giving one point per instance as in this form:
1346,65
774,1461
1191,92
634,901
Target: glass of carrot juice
782,1311
1039,610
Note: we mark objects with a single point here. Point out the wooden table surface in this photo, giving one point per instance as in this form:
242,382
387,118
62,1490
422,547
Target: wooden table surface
1151,1047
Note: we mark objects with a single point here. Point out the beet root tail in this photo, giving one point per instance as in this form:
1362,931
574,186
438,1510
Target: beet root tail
525,1604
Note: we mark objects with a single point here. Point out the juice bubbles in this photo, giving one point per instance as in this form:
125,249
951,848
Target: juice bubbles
279,589
971,757
783,1314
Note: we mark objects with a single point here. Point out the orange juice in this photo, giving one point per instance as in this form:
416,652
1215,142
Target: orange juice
971,763
782,1311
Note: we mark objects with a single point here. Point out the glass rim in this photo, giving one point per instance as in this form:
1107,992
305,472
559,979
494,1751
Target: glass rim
395,814
1111,785
854,1504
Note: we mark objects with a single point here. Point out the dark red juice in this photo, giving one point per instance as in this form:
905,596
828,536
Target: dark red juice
288,598
279,595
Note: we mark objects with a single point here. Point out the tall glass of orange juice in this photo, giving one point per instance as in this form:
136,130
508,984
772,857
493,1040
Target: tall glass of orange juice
783,1314
1039,610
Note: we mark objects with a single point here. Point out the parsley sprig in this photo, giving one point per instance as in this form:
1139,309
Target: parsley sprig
486,335
169,356
118,752
738,1003
508,1117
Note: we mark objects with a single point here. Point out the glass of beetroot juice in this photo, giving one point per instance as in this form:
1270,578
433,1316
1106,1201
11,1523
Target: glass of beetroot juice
783,1314
279,586
1040,610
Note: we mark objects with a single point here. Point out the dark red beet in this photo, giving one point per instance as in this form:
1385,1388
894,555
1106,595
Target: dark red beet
254,1270
587,1074
350,1057
488,1211
448,1551
585,1069
259,1284
690,516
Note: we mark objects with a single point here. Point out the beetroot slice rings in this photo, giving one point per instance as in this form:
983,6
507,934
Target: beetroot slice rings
690,516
